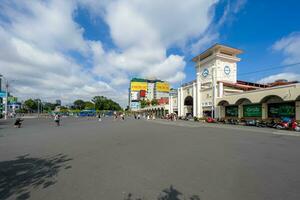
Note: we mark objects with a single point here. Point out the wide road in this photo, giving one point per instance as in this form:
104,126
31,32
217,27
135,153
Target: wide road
87,160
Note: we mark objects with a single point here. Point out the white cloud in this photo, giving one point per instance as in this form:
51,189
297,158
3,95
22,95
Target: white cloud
290,47
37,37
286,76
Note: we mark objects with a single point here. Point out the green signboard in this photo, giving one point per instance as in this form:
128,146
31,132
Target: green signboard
231,111
277,110
252,110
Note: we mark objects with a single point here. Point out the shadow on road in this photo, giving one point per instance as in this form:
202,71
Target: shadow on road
167,194
18,176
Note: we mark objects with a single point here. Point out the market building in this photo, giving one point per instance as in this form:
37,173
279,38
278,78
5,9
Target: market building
218,93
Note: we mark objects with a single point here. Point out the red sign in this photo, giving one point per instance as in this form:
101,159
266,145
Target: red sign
143,93
164,100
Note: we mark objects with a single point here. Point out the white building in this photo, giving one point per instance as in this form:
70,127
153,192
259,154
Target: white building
216,91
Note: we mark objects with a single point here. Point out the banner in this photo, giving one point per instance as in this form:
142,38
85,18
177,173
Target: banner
252,110
278,110
231,111
12,99
162,87
137,86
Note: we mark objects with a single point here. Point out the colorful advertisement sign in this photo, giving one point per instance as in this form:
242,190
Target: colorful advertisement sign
2,94
12,99
135,105
137,86
162,87
143,93
134,95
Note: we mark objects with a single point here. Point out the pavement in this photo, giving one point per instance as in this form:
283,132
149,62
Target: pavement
108,160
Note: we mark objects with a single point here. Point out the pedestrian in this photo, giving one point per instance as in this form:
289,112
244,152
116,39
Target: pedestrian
99,117
57,119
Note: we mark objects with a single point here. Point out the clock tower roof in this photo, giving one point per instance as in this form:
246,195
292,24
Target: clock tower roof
218,49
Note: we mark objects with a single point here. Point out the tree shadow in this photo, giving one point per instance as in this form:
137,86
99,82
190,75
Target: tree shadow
169,193
18,176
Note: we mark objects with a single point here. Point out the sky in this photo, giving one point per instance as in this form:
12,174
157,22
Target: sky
53,49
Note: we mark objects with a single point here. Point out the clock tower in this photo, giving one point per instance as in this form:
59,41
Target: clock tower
218,63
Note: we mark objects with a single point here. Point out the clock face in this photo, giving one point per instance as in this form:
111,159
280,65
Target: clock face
205,72
227,70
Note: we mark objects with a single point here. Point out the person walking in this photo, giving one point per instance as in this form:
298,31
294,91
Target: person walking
57,119
99,117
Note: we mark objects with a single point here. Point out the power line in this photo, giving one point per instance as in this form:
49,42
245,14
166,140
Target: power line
270,69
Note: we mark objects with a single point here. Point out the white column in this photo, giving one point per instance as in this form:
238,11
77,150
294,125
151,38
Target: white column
194,100
171,104
214,91
181,102
178,102
220,89
198,95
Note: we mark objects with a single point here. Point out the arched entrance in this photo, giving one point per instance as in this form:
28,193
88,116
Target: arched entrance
188,104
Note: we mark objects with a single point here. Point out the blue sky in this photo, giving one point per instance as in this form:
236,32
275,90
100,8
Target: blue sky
54,49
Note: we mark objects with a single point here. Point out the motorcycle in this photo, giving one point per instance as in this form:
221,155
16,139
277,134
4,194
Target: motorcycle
282,125
18,123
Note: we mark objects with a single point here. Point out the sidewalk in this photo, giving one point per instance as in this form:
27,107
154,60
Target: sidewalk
192,124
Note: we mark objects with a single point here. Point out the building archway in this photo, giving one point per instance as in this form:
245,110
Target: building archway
243,101
188,104
271,99
223,103
298,98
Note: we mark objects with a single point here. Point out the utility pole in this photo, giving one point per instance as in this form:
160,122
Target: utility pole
6,102
6,95
38,108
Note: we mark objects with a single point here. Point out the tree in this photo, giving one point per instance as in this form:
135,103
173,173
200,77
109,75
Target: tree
49,106
89,105
31,105
79,104
103,103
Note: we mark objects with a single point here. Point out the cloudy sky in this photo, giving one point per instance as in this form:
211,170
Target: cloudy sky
54,49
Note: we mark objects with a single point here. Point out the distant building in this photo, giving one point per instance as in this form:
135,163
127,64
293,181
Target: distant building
58,102
147,89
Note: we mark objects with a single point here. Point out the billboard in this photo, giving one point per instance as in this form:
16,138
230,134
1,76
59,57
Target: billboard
162,87
134,95
135,105
137,86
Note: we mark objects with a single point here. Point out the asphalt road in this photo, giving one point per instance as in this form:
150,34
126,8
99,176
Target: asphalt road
89,160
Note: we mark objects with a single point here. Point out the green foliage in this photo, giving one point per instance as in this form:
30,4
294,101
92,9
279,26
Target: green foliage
143,103
154,102
89,105
79,104
49,107
103,103
31,104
